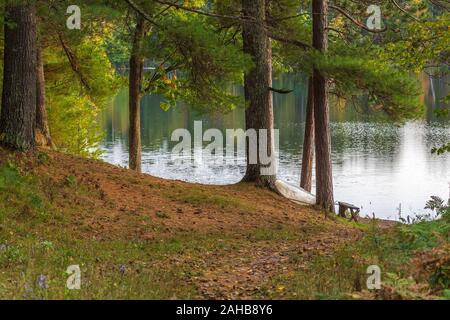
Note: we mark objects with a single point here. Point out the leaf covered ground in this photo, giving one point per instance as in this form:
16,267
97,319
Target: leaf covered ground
140,237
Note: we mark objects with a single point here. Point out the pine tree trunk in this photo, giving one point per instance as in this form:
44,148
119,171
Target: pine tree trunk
324,174
257,82
308,144
135,95
43,138
18,114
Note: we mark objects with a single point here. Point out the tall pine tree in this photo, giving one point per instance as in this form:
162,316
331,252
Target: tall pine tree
18,114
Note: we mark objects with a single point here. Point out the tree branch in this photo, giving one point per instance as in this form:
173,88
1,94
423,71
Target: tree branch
281,91
294,42
437,3
356,22
404,11
141,12
241,19
74,63
204,13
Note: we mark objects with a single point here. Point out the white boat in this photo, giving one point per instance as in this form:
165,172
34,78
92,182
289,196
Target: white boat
295,194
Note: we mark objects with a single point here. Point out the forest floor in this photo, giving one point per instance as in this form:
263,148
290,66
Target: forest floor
139,237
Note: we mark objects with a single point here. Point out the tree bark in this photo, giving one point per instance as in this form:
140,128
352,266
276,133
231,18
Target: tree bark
135,95
18,114
324,174
257,83
308,144
42,131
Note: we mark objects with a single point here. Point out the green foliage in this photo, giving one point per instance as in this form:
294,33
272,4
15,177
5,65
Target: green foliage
423,44
73,122
379,66
162,215
70,181
79,76
118,47
206,64
442,113
447,294
442,149
414,259
428,243
197,197
389,89
73,108
440,278
439,206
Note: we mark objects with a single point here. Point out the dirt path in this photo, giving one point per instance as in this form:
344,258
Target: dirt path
242,273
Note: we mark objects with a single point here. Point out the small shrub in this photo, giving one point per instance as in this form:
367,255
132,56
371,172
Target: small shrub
162,215
43,157
70,181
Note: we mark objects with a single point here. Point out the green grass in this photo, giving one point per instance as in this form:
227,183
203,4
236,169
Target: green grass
20,196
162,215
110,270
201,197
30,248
160,269
324,278
343,275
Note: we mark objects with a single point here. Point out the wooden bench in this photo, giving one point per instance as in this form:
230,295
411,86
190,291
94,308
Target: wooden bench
354,211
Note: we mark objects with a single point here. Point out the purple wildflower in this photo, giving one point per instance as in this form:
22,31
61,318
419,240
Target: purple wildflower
122,269
42,282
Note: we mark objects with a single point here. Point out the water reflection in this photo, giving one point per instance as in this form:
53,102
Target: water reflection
377,164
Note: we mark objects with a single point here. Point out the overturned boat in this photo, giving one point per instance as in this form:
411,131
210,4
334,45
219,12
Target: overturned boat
295,194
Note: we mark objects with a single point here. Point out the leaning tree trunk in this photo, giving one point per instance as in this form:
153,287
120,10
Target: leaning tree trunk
258,95
42,130
18,114
135,95
308,144
324,174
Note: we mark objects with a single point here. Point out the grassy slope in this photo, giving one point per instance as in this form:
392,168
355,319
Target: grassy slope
136,236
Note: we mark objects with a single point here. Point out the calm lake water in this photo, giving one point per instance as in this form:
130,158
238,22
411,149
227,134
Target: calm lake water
378,165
